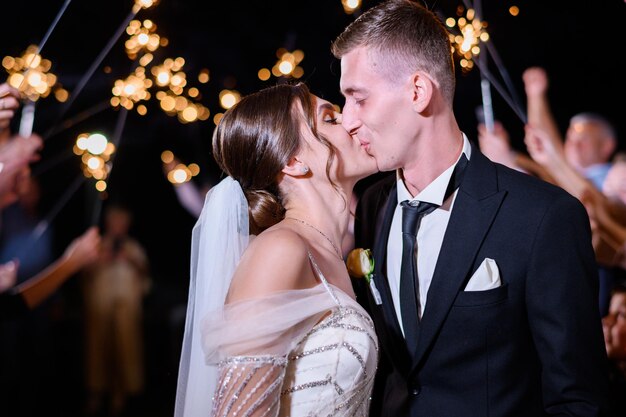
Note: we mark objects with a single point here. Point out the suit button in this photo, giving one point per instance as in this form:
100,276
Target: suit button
415,391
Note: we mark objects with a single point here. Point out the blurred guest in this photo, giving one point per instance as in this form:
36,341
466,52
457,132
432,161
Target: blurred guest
614,326
15,156
190,195
33,291
496,146
17,237
538,107
15,152
114,289
9,102
614,186
590,139
590,142
28,365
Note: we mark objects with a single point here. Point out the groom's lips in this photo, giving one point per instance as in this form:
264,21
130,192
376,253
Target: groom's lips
363,144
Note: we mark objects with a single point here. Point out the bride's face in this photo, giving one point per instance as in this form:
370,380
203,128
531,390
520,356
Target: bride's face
351,161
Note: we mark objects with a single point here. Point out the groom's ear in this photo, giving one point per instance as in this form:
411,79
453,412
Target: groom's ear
422,89
295,168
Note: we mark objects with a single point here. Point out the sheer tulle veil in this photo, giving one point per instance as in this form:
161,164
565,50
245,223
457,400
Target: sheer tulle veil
219,238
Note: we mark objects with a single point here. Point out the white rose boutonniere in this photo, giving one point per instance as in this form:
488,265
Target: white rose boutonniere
360,263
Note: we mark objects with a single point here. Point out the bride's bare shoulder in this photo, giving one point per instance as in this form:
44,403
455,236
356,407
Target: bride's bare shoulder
275,260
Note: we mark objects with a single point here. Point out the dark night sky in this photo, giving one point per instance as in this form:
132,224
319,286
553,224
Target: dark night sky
578,42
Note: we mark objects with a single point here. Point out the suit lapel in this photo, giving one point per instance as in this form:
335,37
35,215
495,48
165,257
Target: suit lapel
475,208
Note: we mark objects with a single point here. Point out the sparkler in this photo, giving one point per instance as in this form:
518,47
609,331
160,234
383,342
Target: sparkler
142,38
351,6
471,32
171,77
27,120
117,136
131,90
286,66
466,44
28,111
139,5
30,74
180,173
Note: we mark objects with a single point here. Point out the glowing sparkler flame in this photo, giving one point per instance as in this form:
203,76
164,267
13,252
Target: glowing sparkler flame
95,151
472,32
286,66
30,74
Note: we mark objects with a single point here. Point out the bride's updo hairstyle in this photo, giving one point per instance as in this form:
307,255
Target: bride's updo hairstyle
256,138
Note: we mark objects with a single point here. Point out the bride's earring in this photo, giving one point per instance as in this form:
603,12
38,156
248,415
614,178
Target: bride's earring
304,169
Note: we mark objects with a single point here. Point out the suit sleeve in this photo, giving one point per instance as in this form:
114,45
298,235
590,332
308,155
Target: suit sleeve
562,300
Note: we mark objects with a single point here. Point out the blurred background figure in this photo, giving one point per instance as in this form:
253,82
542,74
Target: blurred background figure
579,163
614,186
16,153
590,142
496,146
17,240
614,326
190,195
31,293
590,139
29,357
114,287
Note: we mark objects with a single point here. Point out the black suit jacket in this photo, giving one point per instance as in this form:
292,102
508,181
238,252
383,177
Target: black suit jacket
533,346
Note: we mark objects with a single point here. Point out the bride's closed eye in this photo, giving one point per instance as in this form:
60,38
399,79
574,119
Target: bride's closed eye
332,118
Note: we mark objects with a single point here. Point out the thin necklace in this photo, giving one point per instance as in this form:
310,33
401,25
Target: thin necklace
337,251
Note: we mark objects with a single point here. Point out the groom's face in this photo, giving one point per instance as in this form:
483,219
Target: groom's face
377,110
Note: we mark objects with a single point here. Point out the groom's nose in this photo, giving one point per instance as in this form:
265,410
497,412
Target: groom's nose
349,119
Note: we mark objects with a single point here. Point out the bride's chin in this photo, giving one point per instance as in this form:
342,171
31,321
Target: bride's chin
371,168
364,173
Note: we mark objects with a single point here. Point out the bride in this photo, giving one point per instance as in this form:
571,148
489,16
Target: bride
273,328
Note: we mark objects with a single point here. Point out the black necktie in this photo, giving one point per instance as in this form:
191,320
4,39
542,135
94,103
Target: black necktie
412,213
409,283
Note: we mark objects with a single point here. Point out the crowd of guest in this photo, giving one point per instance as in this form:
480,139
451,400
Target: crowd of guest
112,269
587,163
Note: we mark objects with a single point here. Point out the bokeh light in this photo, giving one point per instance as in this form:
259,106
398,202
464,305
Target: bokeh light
95,151
30,74
471,32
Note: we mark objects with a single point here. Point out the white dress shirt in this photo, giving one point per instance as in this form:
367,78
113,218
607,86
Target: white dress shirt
429,236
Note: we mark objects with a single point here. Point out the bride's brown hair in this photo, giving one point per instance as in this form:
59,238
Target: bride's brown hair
256,138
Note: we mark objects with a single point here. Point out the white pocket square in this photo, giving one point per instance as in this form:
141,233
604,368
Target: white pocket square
486,277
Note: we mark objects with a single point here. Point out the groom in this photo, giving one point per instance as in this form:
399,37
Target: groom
487,300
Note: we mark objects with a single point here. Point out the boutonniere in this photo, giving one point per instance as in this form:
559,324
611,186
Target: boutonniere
360,263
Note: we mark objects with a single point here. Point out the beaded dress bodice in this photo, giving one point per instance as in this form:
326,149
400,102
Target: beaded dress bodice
329,372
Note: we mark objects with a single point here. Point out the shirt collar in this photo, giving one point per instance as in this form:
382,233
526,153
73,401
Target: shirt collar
436,190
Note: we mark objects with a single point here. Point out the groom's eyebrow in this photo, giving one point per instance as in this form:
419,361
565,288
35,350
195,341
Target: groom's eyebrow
351,91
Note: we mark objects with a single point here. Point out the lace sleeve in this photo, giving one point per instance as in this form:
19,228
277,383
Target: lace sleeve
249,386
249,343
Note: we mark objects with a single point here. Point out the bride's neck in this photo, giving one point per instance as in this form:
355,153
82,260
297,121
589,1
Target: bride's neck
329,211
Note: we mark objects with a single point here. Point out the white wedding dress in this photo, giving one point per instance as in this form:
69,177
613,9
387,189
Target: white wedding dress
316,357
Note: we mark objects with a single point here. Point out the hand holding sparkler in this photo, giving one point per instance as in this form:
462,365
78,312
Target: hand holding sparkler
15,154
538,106
542,148
535,81
495,144
14,159
9,102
